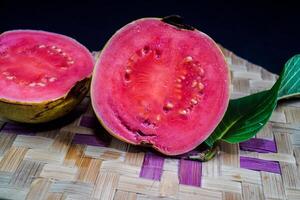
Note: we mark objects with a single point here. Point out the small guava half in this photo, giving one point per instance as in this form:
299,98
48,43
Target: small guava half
43,75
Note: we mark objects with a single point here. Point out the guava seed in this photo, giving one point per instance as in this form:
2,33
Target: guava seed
32,84
127,75
6,73
71,62
41,84
10,77
145,50
194,101
128,71
200,86
52,79
188,59
194,83
183,112
158,117
168,106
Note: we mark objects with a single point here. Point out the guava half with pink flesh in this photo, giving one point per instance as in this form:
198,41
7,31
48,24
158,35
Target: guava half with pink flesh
161,85
43,75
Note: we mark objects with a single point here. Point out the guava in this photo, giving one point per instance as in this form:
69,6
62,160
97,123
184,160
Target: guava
162,84
43,75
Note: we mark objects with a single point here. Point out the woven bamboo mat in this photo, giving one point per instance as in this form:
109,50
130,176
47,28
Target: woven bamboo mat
72,158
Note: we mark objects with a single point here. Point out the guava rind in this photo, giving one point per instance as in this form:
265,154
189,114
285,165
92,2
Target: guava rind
44,111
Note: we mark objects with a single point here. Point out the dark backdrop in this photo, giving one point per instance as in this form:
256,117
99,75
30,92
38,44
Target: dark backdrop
265,33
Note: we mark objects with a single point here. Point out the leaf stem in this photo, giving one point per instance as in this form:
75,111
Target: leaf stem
206,154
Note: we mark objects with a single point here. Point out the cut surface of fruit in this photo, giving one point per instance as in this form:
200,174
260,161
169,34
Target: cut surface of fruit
43,75
38,66
157,84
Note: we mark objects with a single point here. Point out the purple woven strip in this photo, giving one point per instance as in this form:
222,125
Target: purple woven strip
190,172
259,145
260,165
17,129
152,166
89,121
88,140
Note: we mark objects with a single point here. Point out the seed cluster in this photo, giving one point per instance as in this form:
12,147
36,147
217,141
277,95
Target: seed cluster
42,81
187,92
54,50
140,54
190,78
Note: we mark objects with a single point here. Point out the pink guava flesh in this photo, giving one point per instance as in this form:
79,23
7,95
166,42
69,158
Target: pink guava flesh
37,66
160,85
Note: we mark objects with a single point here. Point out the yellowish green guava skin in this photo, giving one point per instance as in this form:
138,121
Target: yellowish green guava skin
47,110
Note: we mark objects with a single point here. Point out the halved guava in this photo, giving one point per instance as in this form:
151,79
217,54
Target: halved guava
43,75
161,84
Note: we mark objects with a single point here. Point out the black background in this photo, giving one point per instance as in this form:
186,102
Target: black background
266,33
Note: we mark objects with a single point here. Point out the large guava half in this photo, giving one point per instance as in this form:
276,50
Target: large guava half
42,75
161,84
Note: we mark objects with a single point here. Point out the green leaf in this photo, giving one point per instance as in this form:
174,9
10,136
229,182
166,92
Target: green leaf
247,115
290,85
